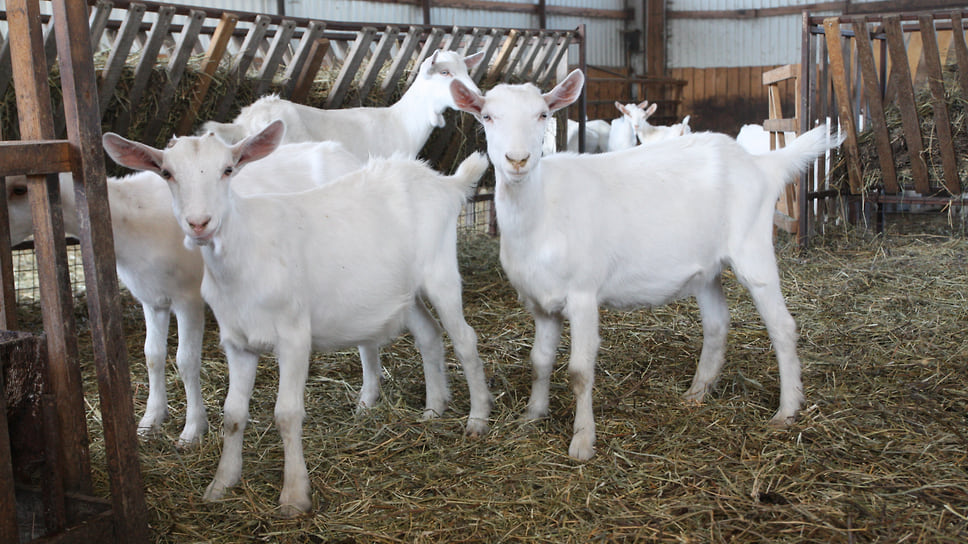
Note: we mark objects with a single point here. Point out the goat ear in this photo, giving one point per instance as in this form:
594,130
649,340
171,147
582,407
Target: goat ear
565,92
433,58
134,155
259,145
473,60
621,108
643,104
466,99
651,109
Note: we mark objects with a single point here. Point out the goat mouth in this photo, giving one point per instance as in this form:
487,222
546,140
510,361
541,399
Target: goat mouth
204,238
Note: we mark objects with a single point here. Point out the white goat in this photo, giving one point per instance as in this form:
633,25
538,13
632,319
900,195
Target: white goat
365,131
165,276
344,264
633,127
575,234
757,141
596,136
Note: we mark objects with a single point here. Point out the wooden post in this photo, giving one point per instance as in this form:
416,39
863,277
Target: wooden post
213,56
97,247
37,123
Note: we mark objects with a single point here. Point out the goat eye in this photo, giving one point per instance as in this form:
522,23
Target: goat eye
445,72
543,116
228,171
486,117
165,174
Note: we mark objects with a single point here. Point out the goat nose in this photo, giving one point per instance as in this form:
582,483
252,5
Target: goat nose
517,160
198,224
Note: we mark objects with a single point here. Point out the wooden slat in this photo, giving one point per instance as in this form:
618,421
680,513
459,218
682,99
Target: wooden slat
34,157
8,308
875,107
118,56
301,56
776,75
547,54
781,125
524,72
906,103
102,12
942,121
36,123
241,63
500,63
518,54
354,59
477,38
493,41
399,64
379,58
961,51
431,45
6,71
213,57
100,274
304,81
280,43
146,64
838,69
456,35
175,69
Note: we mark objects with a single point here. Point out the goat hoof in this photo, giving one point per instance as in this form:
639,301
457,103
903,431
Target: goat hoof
581,448
214,492
780,421
476,428
290,511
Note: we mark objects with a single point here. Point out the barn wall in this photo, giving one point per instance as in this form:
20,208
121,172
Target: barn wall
604,36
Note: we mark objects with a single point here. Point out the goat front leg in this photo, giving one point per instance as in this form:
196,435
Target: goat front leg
582,312
156,355
191,330
242,370
547,335
289,413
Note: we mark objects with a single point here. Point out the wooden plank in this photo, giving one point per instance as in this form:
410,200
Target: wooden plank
213,57
875,107
118,56
8,308
431,45
9,528
477,38
304,82
529,64
942,121
399,64
961,52
380,55
357,53
511,68
270,63
145,66
561,49
906,103
791,124
36,123
299,58
102,12
6,71
456,35
176,68
839,75
503,56
100,273
34,157
241,63
544,62
775,75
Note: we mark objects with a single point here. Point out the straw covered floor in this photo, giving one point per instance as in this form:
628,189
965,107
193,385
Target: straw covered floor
879,452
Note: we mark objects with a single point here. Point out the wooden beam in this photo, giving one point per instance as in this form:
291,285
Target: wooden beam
213,57
905,100
19,158
839,75
942,121
875,106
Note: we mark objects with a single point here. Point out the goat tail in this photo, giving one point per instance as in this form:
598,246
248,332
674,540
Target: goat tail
786,163
469,172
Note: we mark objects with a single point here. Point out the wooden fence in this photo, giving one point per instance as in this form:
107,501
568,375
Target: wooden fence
171,63
897,84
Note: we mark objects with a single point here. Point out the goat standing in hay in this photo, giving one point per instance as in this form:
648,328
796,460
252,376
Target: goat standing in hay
633,228
340,265
402,127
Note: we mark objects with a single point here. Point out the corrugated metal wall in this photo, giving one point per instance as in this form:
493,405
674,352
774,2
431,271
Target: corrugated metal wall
604,36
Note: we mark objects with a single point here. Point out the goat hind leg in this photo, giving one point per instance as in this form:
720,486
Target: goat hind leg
715,326
290,411
430,342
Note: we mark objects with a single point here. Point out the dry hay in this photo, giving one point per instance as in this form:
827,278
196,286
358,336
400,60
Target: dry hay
879,453
872,179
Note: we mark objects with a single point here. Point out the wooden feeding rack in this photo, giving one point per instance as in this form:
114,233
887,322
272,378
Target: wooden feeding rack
40,157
